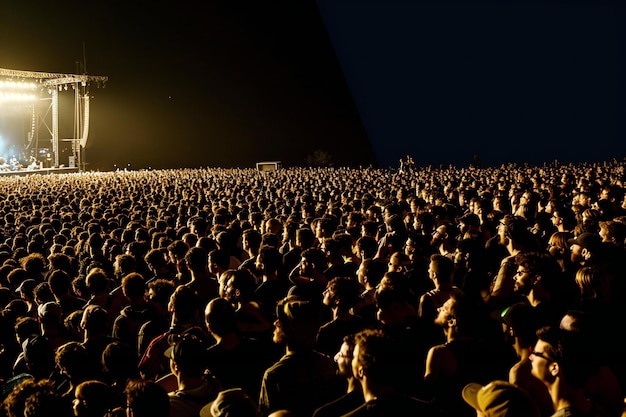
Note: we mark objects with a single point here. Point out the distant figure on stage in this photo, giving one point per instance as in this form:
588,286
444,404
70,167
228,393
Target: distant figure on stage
33,164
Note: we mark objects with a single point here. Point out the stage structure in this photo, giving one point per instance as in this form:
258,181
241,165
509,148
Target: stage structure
44,87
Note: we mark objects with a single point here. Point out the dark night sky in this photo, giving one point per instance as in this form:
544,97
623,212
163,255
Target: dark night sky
215,83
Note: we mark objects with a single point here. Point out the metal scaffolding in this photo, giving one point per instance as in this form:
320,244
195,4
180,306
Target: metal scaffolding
51,84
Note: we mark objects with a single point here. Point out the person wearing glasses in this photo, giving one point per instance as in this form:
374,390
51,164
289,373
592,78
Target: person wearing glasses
558,360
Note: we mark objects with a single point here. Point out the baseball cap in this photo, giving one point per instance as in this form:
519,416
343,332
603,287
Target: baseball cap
524,321
586,240
299,319
27,286
189,353
50,310
232,402
500,399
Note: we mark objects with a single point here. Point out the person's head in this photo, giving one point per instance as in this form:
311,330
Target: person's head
156,259
459,314
97,281
534,271
197,259
119,360
240,286
558,247
251,239
343,358
60,283
500,399
522,322
134,287
342,293
220,318
50,313
585,247
304,238
593,284
219,260
394,306
60,261
159,292
34,264
46,402
124,264
26,289
366,247
72,360
297,322
312,259
94,320
441,268
187,356
269,260
394,280
92,398
613,232
183,304
561,355
370,272
146,398
399,262
378,358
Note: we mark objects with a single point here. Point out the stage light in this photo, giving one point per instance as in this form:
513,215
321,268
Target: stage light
8,85
16,97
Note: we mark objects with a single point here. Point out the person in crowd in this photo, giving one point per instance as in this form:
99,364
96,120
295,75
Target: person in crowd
83,222
145,398
353,397
234,359
93,398
341,294
557,360
127,324
183,308
202,282
159,292
303,379
378,366
440,272
194,387
465,357
521,322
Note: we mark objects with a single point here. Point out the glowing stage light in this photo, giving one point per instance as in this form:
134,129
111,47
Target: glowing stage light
17,97
8,85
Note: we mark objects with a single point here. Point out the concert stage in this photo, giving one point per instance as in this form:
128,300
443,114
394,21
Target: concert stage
42,171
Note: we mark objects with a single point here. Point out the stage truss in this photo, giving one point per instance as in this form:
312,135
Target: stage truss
50,85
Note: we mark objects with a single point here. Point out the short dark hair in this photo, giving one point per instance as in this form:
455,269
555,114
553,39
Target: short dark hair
378,355
146,398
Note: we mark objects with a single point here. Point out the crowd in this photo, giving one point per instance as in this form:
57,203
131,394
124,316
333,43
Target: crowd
306,292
